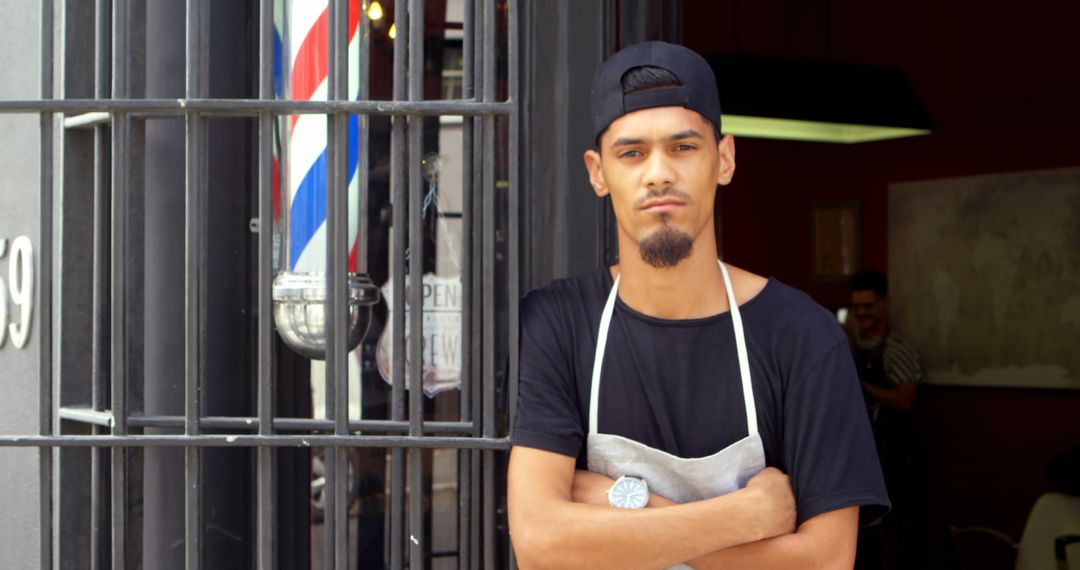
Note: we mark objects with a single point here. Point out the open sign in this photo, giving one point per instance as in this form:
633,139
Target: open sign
441,341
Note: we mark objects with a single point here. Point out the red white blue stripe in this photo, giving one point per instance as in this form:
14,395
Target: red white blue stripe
307,38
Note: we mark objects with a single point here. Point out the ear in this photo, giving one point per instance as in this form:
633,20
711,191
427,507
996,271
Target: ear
594,163
726,148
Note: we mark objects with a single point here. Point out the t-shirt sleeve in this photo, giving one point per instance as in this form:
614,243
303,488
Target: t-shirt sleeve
828,445
547,416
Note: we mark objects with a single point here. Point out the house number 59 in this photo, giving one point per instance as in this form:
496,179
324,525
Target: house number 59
19,287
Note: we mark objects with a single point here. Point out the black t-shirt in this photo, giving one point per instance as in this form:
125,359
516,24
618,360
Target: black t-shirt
674,385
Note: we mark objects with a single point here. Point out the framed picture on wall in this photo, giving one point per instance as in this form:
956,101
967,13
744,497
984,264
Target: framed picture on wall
837,234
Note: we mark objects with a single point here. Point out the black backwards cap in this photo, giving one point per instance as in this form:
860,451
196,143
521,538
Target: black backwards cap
698,91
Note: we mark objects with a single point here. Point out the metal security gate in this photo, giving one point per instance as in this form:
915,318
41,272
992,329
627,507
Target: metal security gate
100,429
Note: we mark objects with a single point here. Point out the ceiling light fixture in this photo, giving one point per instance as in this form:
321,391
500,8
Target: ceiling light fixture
776,98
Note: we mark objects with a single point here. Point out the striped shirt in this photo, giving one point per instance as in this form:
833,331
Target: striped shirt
902,365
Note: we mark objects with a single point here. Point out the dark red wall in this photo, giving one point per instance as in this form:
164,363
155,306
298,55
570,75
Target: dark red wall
1001,81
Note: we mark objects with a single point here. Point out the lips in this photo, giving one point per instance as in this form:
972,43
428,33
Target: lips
662,205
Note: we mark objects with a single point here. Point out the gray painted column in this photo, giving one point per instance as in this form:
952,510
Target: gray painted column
19,180
566,45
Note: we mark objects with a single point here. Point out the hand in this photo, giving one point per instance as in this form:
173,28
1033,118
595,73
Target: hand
775,503
591,488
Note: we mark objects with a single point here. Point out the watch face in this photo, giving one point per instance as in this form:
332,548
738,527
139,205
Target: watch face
629,493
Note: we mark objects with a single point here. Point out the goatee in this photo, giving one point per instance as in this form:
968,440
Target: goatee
666,247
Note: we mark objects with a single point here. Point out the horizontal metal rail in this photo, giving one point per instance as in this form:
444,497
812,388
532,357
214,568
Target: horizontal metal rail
404,441
105,418
252,107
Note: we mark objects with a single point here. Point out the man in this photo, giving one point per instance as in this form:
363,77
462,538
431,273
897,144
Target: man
890,373
674,379
888,365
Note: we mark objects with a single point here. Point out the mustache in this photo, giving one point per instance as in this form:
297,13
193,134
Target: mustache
663,193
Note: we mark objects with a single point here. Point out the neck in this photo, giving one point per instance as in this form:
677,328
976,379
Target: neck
692,289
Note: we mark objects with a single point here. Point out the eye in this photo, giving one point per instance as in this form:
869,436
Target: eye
684,147
629,154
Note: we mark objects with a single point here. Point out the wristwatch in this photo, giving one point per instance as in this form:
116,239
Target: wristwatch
629,492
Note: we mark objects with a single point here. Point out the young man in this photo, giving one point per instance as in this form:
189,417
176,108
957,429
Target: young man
672,408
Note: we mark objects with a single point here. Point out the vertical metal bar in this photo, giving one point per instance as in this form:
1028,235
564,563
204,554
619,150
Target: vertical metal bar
196,78
264,485
363,70
398,192
415,37
464,508
488,199
121,50
336,520
45,353
477,233
99,342
468,92
514,217
477,230
465,472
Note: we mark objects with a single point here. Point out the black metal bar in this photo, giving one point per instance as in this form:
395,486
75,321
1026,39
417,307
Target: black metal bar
464,508
45,287
196,79
104,418
514,216
337,522
489,508
398,191
121,50
475,538
477,230
415,37
466,214
265,490
119,442
100,344
489,221
252,107
364,71
465,520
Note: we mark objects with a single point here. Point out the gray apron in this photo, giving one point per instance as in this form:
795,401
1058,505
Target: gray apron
682,480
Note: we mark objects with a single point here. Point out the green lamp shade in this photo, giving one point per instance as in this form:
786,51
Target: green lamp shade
777,98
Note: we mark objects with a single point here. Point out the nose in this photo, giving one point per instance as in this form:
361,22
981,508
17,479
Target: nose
658,171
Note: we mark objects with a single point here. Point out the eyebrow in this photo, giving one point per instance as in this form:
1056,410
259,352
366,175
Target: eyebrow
687,134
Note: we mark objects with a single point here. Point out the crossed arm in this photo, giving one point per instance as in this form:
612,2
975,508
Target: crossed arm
559,518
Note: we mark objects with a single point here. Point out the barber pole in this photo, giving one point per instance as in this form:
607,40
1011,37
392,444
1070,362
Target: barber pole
306,42
301,73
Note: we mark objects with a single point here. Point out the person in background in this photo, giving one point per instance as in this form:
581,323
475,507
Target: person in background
889,367
890,373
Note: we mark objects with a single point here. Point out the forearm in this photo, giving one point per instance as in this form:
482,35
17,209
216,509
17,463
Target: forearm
826,542
564,534
788,551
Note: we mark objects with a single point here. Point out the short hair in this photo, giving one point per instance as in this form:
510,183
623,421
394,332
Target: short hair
870,280
646,77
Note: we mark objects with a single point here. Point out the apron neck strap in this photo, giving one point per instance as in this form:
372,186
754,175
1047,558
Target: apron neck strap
740,345
598,357
744,358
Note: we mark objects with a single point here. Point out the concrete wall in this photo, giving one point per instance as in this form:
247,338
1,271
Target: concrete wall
19,136
985,277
